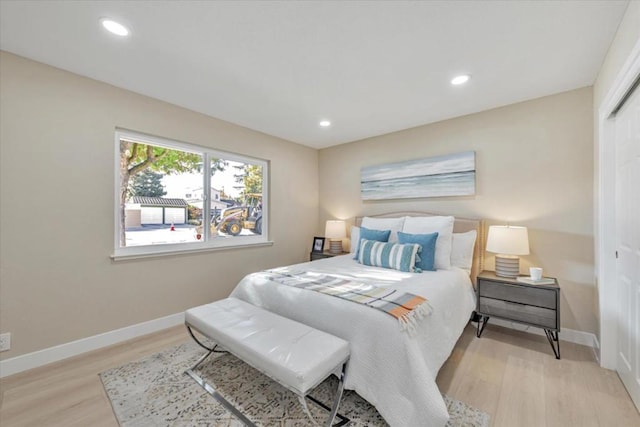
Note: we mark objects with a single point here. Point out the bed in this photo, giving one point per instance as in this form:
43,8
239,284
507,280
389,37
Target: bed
392,369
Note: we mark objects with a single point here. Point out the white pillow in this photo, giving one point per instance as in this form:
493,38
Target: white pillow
355,238
393,224
462,246
430,224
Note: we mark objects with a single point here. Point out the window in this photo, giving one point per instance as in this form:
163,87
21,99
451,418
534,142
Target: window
175,197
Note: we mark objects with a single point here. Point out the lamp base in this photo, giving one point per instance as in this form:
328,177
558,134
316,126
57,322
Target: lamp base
507,266
335,246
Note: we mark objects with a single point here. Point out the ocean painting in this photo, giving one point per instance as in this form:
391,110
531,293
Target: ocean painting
449,175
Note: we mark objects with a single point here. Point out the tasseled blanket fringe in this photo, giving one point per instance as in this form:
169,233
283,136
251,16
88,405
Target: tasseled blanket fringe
409,321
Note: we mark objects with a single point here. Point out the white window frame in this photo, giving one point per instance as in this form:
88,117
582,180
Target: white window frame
207,244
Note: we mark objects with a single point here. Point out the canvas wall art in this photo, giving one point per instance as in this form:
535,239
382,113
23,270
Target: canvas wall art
440,176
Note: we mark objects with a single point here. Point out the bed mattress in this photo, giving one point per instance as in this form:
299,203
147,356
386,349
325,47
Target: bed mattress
392,369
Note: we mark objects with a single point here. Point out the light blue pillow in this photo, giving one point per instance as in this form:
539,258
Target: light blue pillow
428,244
368,234
390,255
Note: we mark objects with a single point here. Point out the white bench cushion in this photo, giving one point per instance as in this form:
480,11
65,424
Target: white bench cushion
290,352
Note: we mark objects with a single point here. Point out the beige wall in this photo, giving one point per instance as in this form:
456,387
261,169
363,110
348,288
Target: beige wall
534,167
57,282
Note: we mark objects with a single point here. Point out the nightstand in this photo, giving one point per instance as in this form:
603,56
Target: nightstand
509,299
326,254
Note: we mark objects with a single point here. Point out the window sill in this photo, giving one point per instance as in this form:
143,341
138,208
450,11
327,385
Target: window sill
185,251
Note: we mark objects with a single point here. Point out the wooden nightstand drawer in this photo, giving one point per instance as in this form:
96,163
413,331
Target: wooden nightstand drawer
522,294
538,316
515,300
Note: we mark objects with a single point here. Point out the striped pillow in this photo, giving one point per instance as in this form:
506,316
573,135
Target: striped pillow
390,255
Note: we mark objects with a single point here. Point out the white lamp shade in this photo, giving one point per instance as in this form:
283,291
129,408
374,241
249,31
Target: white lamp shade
335,230
508,240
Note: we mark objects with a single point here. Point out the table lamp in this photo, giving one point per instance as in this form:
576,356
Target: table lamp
507,242
335,231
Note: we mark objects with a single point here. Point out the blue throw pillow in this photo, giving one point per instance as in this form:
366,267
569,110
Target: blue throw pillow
368,234
390,255
428,243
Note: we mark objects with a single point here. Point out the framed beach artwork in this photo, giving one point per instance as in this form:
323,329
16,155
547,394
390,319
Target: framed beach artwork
440,176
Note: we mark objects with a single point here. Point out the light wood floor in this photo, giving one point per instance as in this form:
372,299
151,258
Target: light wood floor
511,375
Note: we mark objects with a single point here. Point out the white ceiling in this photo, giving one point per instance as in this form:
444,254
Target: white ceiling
280,67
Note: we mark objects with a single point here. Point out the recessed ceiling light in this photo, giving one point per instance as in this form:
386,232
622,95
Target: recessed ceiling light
114,27
325,123
458,80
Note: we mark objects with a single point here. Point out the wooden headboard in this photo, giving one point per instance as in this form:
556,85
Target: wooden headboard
460,225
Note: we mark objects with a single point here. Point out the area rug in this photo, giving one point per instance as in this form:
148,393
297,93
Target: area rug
154,391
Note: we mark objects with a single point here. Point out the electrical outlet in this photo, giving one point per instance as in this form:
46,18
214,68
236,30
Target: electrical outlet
5,341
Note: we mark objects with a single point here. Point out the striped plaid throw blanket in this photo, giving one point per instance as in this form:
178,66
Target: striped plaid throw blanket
407,308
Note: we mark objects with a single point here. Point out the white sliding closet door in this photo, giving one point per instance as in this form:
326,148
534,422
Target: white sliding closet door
627,141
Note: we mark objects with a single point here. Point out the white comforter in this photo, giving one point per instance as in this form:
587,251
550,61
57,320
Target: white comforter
391,369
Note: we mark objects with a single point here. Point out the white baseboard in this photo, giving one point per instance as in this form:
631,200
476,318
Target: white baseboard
53,354
570,335
63,351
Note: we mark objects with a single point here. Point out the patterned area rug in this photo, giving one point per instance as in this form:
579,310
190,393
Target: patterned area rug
154,391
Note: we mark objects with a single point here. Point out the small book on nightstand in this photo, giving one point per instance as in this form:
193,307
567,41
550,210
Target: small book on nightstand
530,281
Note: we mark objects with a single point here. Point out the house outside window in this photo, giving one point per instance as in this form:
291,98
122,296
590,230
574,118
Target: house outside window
176,197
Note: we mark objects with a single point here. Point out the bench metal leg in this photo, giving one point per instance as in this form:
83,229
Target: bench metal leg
212,391
224,402
336,402
210,350
202,359
207,387
303,403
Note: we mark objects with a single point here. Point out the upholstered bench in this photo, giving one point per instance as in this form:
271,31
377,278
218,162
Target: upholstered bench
293,354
